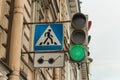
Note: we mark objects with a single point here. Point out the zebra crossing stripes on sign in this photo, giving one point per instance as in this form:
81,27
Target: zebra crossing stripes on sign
48,37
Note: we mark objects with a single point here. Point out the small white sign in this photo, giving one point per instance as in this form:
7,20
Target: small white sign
49,60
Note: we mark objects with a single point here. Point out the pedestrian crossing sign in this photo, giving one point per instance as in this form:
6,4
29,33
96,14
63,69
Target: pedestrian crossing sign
48,37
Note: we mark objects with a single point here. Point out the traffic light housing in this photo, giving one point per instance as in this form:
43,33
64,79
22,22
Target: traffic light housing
79,37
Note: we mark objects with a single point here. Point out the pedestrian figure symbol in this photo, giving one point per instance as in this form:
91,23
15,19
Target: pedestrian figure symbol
48,38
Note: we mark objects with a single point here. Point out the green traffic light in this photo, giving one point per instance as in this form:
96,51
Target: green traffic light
77,52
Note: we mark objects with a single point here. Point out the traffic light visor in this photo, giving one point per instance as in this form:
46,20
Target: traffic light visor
77,53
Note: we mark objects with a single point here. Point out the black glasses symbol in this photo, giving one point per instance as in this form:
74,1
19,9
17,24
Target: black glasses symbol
50,60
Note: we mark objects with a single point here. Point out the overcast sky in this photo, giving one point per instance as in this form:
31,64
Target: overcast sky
105,42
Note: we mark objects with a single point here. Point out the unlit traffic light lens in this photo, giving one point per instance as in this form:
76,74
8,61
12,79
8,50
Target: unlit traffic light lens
78,21
78,36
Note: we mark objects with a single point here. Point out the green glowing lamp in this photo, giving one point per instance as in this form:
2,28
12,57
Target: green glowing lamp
77,52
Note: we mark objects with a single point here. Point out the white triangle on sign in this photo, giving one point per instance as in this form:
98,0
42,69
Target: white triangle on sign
48,38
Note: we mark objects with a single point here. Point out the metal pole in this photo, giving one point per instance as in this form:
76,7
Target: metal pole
15,42
33,52
47,22
79,2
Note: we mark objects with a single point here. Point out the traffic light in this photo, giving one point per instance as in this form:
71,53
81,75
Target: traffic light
79,37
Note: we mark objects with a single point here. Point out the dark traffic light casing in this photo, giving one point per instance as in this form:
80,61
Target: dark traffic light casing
79,37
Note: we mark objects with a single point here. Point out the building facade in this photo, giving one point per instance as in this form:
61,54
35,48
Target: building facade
17,21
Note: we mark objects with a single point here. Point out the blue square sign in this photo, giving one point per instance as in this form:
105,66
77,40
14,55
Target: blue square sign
48,37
